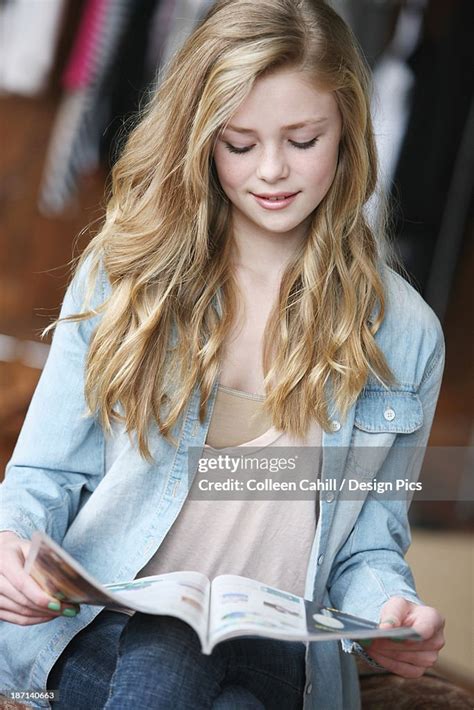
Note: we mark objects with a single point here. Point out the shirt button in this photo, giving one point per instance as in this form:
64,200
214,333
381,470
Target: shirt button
330,497
309,688
335,425
320,559
389,414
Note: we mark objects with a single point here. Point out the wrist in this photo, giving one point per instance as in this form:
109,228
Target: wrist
357,649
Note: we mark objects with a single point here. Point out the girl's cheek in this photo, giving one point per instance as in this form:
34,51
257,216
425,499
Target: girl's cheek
234,175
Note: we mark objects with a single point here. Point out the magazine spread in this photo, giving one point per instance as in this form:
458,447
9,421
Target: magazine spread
224,608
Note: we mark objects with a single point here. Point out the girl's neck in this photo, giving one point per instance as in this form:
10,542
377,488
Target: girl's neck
265,255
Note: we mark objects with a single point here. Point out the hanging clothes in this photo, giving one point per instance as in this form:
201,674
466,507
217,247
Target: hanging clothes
74,142
161,28
372,22
151,27
28,38
186,13
84,60
393,80
442,66
125,84
109,70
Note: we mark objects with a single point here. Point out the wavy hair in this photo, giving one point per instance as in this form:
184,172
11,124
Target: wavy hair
165,242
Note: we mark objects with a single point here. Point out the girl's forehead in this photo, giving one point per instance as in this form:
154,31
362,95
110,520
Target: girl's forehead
286,97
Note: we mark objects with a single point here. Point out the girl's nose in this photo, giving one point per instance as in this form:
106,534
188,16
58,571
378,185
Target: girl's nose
272,165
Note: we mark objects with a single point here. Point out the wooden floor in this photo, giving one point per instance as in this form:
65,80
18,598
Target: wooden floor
34,253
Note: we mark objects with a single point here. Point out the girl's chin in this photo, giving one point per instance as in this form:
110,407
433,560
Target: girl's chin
274,222
280,226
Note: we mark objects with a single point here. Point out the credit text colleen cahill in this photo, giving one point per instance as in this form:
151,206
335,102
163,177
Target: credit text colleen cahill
306,484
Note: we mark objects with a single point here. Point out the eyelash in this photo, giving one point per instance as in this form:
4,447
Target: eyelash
300,146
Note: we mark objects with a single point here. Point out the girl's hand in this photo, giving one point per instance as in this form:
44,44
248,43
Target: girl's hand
409,659
22,601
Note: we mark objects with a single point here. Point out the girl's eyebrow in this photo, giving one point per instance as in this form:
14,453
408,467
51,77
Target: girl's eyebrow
301,124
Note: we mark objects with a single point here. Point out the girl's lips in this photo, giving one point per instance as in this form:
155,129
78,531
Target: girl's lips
278,204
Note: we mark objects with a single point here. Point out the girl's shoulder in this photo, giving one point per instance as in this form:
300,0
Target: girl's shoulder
410,336
405,307
90,272
87,291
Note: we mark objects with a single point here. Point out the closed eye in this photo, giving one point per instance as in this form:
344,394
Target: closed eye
234,149
247,148
306,145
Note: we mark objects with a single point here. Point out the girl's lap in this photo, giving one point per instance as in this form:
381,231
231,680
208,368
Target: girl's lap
85,668
157,660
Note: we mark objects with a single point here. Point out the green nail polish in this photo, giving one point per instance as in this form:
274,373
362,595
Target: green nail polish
54,606
69,612
60,595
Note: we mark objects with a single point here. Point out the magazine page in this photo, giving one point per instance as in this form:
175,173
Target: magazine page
241,606
325,622
181,594
61,575
246,607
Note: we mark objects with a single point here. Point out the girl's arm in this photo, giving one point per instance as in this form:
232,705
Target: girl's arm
370,567
59,457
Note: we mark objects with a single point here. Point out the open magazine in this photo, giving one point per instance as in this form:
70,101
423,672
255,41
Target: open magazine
224,608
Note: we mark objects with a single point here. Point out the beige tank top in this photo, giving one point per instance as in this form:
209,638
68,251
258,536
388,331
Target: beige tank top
267,540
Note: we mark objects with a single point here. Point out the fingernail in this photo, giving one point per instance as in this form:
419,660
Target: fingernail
69,612
54,606
365,642
392,622
60,595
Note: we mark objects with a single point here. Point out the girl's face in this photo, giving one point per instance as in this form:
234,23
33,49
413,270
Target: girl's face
277,157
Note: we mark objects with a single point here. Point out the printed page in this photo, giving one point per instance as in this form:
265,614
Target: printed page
61,575
242,606
245,607
181,594
325,622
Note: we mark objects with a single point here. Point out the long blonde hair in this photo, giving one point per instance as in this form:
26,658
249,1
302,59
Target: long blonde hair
165,241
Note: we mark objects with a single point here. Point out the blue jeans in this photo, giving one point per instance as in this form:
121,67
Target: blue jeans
120,662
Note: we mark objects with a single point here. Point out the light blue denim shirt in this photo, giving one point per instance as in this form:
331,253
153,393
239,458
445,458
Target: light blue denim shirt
111,510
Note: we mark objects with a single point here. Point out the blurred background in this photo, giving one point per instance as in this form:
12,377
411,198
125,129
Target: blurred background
73,74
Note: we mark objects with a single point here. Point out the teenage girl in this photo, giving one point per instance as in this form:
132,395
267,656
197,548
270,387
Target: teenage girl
235,295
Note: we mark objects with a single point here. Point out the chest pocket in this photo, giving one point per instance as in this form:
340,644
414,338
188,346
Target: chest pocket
388,412
381,416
